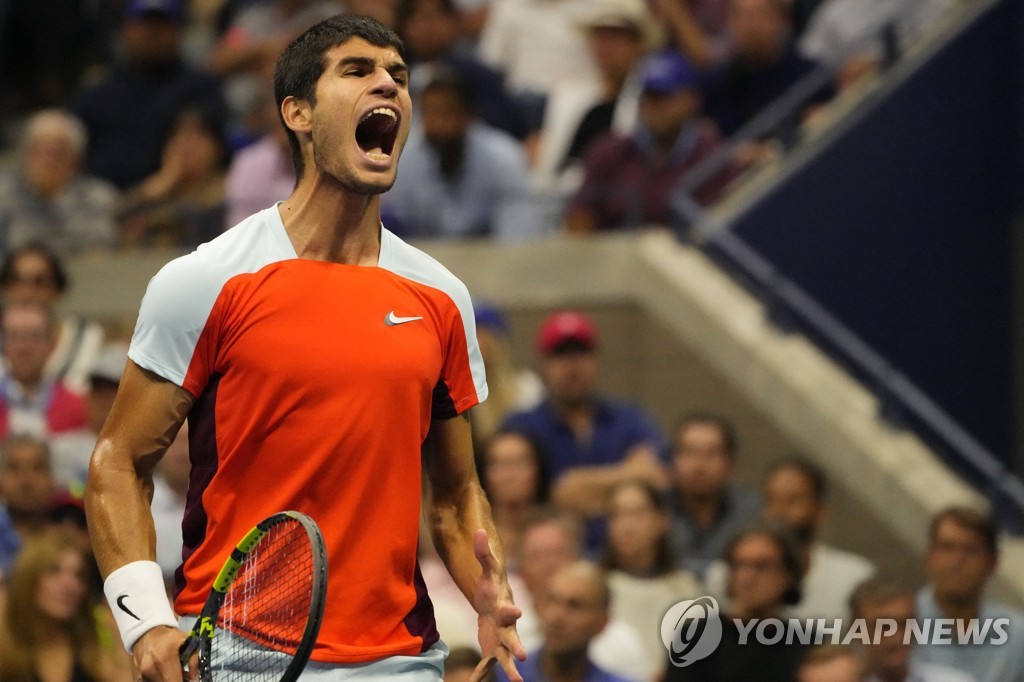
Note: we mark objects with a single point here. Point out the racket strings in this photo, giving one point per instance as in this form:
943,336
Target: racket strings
264,614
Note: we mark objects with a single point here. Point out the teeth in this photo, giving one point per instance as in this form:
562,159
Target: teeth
382,110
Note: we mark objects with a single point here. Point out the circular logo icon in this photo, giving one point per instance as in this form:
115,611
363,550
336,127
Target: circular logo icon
691,630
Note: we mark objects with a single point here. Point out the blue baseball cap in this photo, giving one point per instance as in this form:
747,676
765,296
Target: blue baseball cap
668,71
170,9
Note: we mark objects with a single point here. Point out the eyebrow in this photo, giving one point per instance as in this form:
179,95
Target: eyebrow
393,67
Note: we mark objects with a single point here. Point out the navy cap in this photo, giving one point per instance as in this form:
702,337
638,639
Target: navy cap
171,9
668,71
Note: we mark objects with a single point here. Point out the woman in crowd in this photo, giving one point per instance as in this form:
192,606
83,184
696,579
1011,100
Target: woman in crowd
183,203
643,573
50,631
514,475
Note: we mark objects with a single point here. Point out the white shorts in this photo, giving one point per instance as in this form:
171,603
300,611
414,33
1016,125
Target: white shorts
426,667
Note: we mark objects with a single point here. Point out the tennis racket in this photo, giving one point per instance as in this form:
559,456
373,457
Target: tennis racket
263,614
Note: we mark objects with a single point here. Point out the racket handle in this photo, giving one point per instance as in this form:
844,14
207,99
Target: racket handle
188,649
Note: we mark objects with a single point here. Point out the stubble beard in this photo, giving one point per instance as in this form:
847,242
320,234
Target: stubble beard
347,178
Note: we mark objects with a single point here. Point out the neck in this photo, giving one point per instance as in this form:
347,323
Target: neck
512,513
958,608
30,386
611,86
745,613
565,667
640,564
704,510
325,222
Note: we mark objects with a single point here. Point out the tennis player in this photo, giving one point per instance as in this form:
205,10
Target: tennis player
316,356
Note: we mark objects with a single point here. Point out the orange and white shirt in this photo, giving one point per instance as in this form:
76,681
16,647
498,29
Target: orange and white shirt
314,384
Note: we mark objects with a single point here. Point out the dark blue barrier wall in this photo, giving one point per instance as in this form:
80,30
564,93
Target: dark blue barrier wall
902,229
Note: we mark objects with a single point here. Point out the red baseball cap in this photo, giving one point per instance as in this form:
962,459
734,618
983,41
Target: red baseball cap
566,327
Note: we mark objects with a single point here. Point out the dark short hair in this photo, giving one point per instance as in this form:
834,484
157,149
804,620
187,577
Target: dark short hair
878,590
790,549
449,82
406,8
808,469
53,262
302,63
974,520
724,426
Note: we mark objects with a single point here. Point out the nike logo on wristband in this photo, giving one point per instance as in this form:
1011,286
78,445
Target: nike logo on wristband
120,605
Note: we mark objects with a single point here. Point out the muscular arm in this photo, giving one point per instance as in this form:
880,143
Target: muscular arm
146,415
585,489
459,511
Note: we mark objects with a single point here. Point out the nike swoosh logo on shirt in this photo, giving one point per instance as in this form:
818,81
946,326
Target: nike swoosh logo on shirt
120,605
391,320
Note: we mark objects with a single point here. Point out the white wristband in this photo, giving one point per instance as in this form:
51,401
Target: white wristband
137,597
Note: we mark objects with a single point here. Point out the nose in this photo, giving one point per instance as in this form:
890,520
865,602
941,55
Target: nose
384,84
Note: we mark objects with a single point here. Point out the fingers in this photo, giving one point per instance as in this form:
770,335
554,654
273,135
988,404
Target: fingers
508,665
482,550
511,642
480,672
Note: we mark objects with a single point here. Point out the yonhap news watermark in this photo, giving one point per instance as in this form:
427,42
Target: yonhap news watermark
692,629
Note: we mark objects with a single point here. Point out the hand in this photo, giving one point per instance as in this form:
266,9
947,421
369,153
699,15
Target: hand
496,616
156,656
641,463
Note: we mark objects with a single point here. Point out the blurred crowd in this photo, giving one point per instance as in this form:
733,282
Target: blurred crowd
606,522
142,123
137,123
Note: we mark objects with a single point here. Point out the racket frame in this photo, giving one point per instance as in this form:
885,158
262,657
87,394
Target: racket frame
200,639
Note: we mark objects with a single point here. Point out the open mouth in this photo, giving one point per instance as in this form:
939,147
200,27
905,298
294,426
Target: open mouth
377,132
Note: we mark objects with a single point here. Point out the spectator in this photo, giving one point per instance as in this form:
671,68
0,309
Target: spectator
890,659
961,558
510,388
48,628
795,493
129,114
576,609
431,31
45,48
34,274
33,403
26,484
459,177
765,568
630,180
72,450
536,45
698,28
47,199
247,50
516,481
707,508
592,442
830,663
261,173
552,541
642,572
858,36
618,34
170,492
764,64
182,204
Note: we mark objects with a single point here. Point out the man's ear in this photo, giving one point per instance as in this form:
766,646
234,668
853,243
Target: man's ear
297,114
